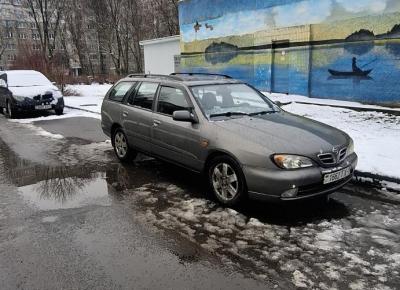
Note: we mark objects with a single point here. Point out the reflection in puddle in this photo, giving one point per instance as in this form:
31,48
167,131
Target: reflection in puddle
66,193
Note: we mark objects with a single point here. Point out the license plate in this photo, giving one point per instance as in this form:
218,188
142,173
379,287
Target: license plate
338,175
43,107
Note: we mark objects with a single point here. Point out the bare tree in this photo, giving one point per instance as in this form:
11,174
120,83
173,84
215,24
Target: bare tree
47,16
2,42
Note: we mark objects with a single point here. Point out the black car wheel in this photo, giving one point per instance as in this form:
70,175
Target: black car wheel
121,146
59,111
10,111
226,180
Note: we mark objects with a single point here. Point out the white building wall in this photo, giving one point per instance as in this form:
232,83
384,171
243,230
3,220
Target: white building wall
159,54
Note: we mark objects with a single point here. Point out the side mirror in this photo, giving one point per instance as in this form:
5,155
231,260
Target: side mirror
184,116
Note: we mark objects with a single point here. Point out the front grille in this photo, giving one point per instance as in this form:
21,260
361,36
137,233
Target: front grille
332,158
47,98
327,158
342,154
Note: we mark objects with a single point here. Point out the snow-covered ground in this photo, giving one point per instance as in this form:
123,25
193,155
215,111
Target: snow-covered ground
376,135
358,250
87,97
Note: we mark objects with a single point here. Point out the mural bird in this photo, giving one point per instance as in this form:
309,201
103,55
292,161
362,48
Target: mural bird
208,26
197,26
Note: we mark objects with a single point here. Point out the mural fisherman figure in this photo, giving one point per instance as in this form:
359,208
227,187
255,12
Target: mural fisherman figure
356,69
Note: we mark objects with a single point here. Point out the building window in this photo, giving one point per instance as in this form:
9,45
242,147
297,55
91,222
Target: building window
11,57
37,47
9,34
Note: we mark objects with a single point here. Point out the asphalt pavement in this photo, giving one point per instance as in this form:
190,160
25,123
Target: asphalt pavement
73,217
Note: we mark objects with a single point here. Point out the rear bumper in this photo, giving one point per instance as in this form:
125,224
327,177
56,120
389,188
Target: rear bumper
271,184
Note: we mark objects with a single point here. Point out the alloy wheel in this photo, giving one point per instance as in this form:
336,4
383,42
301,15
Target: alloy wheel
121,145
225,182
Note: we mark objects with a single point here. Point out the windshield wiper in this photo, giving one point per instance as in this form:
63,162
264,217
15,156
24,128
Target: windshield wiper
263,113
229,114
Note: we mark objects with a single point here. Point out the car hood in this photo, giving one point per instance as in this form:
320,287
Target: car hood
32,91
285,133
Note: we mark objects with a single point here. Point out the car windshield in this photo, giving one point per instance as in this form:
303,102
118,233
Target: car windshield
227,100
27,79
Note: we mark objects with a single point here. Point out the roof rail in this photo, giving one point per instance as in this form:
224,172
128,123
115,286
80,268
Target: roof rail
152,76
202,74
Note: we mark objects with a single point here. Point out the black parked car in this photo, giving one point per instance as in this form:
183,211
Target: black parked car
28,91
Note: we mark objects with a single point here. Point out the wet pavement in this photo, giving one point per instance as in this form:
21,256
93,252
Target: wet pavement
73,217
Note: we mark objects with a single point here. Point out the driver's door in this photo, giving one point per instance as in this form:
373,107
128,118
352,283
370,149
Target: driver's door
173,140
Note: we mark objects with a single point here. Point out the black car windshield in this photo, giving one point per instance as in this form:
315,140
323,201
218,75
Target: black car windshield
227,100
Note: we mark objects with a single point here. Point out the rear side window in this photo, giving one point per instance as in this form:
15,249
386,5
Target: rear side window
145,95
171,100
118,93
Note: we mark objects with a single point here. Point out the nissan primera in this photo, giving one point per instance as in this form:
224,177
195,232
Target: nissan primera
246,145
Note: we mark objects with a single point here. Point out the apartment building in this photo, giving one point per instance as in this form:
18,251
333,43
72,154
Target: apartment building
19,34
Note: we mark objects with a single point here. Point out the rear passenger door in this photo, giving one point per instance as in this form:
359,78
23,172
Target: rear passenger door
137,116
177,141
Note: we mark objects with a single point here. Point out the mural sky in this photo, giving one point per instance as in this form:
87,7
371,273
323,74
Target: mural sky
238,17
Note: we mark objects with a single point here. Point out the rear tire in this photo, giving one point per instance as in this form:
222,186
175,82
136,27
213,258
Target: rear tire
121,147
227,181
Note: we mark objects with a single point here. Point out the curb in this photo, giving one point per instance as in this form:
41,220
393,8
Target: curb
376,180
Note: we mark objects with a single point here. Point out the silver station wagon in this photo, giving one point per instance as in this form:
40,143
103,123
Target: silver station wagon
245,144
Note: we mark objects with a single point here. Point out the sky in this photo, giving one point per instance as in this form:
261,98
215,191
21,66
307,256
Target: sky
241,17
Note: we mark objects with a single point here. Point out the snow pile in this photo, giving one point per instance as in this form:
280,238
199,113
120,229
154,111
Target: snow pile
337,253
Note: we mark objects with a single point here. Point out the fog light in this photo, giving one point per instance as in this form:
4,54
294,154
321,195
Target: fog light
290,193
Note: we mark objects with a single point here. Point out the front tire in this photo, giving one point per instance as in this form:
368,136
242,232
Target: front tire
227,181
121,146
10,111
59,111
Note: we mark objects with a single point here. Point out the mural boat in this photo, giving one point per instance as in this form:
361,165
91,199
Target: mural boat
336,73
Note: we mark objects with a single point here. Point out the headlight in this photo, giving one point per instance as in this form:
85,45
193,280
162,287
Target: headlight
350,149
19,98
292,161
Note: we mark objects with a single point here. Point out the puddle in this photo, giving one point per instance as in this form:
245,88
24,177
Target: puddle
67,193
55,187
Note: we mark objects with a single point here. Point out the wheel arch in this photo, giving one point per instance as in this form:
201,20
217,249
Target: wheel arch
216,153
114,127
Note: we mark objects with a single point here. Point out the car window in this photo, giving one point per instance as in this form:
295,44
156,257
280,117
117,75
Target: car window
132,94
171,100
145,95
119,91
231,98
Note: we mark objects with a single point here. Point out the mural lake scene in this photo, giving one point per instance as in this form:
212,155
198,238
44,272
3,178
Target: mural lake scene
351,55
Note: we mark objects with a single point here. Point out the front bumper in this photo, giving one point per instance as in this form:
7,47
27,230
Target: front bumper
30,105
264,184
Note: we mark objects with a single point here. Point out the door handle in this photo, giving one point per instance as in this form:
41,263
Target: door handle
156,123
125,114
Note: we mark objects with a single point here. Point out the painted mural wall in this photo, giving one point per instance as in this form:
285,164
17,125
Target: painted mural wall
342,49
